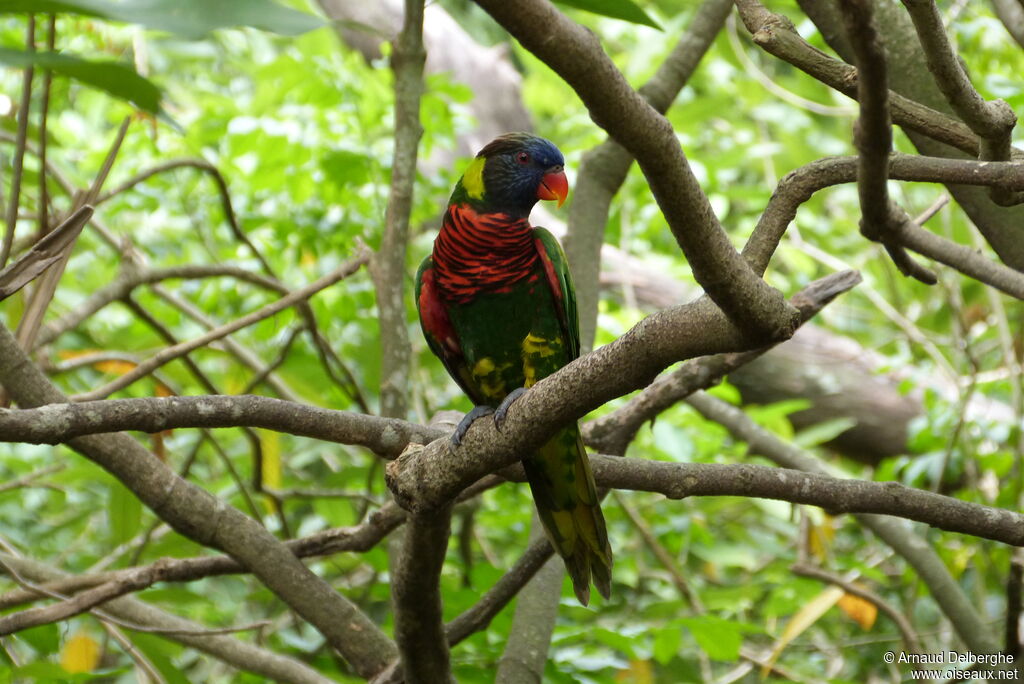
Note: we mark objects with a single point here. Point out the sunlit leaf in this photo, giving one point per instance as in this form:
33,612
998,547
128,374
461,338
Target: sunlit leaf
188,18
862,611
115,366
627,10
819,433
81,653
638,672
114,78
719,638
125,513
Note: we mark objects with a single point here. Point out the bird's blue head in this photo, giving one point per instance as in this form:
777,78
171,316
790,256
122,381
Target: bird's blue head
512,172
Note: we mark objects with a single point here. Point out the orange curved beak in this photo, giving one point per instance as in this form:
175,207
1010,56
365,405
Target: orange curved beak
554,186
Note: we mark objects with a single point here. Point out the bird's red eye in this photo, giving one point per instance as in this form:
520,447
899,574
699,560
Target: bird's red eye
523,157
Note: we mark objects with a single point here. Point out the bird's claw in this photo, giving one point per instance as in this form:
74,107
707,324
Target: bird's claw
502,411
467,420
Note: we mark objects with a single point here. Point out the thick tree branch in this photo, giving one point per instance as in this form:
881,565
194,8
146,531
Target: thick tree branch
613,432
835,495
947,593
603,168
576,55
432,476
416,594
201,517
59,423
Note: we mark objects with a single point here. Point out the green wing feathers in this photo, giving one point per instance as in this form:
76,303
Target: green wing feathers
567,502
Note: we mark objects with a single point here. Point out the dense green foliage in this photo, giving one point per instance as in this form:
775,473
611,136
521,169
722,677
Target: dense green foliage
300,127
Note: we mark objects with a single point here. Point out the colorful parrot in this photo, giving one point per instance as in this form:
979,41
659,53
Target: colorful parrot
497,306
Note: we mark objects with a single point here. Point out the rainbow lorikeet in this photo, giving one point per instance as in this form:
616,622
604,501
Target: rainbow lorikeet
497,306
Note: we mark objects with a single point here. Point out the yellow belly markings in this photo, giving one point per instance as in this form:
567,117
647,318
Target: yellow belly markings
537,361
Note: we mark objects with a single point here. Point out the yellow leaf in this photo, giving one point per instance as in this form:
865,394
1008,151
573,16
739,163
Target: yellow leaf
270,443
163,390
308,259
114,366
638,672
81,653
819,537
862,611
66,354
799,623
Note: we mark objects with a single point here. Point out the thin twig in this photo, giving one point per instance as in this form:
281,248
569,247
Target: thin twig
44,114
906,629
171,353
19,148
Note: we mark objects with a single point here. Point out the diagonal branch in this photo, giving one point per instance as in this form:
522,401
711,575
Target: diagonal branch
198,515
226,648
432,476
603,169
916,551
576,55
613,432
130,279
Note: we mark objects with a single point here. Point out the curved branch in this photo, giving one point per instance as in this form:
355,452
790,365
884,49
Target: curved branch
800,184
198,515
432,476
130,279
171,353
576,55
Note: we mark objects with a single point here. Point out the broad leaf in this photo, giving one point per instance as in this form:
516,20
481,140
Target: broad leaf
627,10
115,78
189,18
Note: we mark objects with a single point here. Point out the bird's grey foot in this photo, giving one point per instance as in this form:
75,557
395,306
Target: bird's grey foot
467,420
502,411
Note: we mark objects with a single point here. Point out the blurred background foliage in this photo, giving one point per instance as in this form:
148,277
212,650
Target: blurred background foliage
300,127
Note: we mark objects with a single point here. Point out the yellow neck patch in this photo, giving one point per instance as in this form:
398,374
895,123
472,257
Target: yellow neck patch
473,178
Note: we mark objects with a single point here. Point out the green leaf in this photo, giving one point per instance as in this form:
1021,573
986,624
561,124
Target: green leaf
666,644
189,18
820,433
115,78
627,10
719,638
125,514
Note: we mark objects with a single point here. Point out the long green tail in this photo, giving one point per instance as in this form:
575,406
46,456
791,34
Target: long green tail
563,489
